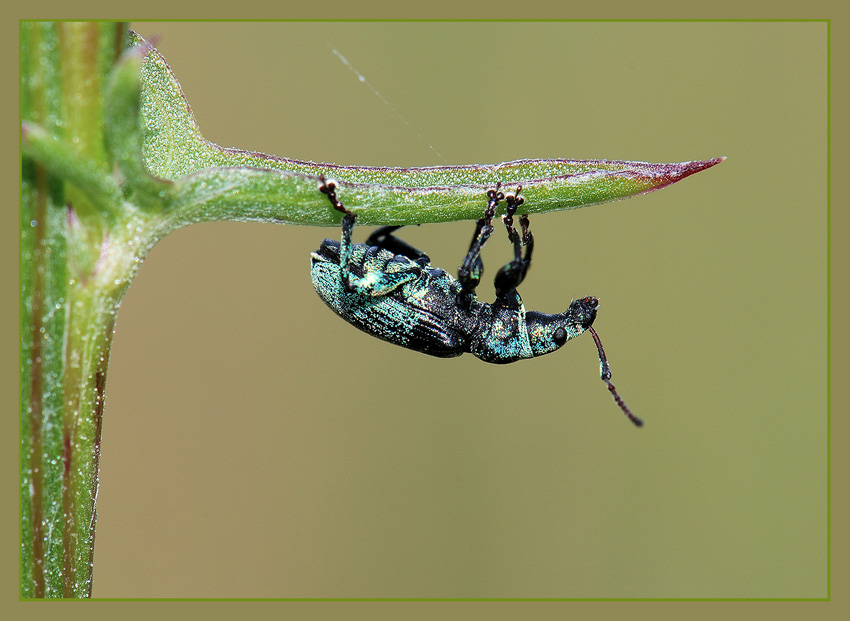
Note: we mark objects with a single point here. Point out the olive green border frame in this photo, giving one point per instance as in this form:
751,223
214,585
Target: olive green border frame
828,597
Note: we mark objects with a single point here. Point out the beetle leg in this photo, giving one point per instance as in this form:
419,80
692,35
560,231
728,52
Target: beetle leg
513,201
383,238
328,188
528,242
511,275
469,273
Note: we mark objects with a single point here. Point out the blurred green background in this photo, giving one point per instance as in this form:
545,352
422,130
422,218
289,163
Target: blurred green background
255,445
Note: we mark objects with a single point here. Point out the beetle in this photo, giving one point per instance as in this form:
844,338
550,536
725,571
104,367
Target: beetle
389,289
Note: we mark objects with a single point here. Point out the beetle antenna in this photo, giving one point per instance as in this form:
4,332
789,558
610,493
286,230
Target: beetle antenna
605,373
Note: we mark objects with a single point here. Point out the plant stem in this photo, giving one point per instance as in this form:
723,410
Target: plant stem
66,316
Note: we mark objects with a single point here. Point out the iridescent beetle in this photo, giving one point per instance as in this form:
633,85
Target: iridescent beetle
389,289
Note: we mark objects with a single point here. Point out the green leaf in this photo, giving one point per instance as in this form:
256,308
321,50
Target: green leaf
125,134
60,159
214,183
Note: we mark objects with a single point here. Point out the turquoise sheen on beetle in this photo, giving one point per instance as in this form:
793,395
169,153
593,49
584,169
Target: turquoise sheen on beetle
390,290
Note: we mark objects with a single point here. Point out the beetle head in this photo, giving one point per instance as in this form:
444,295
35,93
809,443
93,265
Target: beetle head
582,312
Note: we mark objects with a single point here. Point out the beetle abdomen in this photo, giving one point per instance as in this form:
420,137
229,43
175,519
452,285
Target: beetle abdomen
420,313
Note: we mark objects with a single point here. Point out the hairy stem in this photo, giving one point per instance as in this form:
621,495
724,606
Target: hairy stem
66,316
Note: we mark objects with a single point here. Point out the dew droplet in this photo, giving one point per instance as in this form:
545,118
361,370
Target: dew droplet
33,222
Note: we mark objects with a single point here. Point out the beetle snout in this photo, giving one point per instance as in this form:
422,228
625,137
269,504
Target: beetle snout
584,310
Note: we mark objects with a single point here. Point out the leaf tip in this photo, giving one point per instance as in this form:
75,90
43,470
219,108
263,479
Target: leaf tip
698,165
677,172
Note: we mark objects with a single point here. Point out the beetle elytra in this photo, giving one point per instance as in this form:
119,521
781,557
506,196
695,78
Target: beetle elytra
390,290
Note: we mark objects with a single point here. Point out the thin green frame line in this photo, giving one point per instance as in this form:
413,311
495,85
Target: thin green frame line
526,20
828,311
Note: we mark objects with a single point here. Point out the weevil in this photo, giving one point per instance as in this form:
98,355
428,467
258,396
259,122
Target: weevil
390,290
